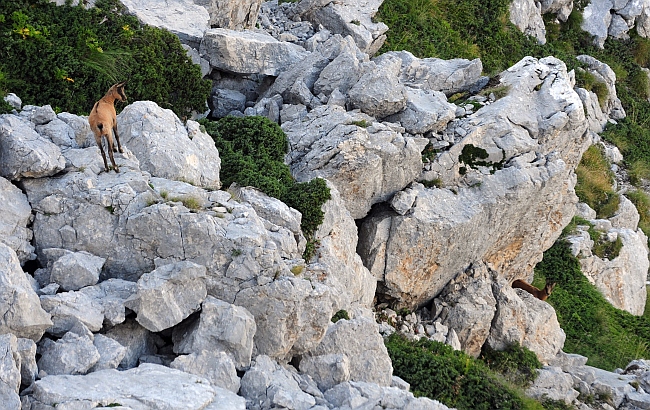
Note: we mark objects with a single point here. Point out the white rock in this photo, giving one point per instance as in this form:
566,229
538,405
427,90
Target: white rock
76,270
217,367
15,216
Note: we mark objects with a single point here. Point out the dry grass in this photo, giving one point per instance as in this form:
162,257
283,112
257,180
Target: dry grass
595,181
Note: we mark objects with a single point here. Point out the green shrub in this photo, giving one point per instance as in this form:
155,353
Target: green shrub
252,151
341,314
518,364
641,201
68,57
452,377
595,180
605,249
609,337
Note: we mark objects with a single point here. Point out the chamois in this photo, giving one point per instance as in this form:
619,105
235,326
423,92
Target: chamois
542,294
103,120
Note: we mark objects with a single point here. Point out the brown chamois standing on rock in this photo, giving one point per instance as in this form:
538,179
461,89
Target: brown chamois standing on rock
103,122
542,294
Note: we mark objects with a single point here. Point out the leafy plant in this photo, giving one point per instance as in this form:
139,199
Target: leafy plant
341,314
518,364
595,180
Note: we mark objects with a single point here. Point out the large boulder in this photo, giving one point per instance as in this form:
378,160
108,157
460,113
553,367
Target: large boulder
527,16
522,319
169,294
238,52
182,17
9,371
367,161
168,149
603,73
74,353
357,349
234,15
217,367
68,308
379,93
20,308
148,386
24,153
137,340
15,216
435,74
426,111
75,270
220,327
515,163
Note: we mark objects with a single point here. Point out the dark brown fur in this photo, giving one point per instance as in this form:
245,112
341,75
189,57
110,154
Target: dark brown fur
542,294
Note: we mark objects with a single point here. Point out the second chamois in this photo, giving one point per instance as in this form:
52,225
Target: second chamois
103,122
541,294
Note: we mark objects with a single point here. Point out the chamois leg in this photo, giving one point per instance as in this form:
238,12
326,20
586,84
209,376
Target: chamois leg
117,138
101,148
109,141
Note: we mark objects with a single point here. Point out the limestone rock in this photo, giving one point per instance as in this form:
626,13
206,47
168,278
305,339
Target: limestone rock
111,295
467,306
76,270
148,386
83,135
238,51
489,204
627,216
341,73
15,216
562,8
225,101
596,18
169,294
552,383
26,349
182,17
13,100
527,16
268,385
425,111
603,73
166,148
110,352
359,340
220,327
10,362
378,92
353,18
356,394
74,353
217,367
238,15
595,116
521,318
24,153
68,308
447,76
20,308
327,370
367,163
137,340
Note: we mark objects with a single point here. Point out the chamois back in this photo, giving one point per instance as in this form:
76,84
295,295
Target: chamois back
103,122
541,294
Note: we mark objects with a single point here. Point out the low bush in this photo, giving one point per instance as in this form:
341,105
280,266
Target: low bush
252,151
595,180
67,56
518,364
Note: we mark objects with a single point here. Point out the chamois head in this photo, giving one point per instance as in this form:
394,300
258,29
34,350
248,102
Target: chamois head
541,294
117,91
548,289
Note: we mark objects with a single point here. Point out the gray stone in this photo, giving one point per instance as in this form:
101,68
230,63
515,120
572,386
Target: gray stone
367,163
76,270
448,76
341,73
552,383
238,51
378,92
359,340
603,73
111,295
83,136
217,367
15,216
169,294
24,153
196,58
327,370
10,362
426,111
110,352
26,349
220,327
168,149
596,18
137,340
74,353
595,116
527,16
68,308
42,115
268,385
148,386
353,18
182,17
602,382
20,308
239,15
8,397
225,101
562,8
522,319
371,396
403,200
13,100
59,133
626,216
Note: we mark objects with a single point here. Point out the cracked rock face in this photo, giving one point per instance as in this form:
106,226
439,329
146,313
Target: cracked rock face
530,141
15,216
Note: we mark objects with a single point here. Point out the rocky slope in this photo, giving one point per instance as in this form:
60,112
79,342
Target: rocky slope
179,283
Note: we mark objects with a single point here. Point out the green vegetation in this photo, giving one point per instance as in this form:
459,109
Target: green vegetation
518,364
595,181
341,314
472,156
457,380
609,337
189,202
252,151
68,57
